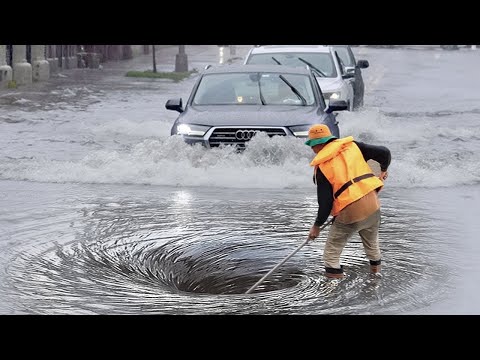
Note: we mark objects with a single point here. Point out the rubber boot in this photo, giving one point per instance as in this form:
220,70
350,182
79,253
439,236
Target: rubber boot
333,273
375,266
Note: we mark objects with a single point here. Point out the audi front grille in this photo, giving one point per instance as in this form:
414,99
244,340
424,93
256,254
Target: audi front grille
240,135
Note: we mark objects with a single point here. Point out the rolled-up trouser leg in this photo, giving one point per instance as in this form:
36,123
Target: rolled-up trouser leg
368,231
336,240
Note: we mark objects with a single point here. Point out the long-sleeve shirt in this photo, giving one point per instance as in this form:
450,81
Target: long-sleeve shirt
380,154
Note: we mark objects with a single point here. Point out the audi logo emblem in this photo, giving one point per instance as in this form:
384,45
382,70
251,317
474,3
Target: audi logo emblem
245,134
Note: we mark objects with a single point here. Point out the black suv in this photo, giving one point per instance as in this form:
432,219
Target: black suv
229,104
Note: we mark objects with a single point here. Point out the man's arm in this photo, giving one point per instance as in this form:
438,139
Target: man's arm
324,197
380,154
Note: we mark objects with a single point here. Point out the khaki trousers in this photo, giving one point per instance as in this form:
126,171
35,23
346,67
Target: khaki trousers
340,233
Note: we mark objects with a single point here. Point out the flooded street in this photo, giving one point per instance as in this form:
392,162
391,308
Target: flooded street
102,212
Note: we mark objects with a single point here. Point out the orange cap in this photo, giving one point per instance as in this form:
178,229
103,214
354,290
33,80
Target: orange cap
319,134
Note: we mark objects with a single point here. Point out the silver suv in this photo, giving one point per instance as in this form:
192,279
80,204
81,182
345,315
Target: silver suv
335,82
354,67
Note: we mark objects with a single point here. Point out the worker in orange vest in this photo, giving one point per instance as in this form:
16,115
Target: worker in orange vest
348,190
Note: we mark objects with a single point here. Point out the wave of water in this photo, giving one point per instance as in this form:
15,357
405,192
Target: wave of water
430,154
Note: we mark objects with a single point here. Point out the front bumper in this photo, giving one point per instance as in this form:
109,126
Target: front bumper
234,135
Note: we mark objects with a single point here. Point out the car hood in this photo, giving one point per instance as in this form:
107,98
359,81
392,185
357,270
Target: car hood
250,115
329,84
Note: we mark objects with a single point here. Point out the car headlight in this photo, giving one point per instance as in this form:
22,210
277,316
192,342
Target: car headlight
331,96
335,96
192,130
300,130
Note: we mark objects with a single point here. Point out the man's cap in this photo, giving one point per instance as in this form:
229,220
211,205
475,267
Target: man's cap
319,134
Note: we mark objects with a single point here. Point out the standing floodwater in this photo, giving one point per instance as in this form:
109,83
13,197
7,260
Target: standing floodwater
102,212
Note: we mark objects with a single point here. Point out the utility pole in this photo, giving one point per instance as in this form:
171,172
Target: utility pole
154,59
181,60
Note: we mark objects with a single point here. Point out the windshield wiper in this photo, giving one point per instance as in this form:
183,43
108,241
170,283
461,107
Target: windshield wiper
262,99
318,71
304,102
278,62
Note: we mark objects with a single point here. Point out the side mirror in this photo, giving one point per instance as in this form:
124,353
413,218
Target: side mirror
336,105
174,104
363,64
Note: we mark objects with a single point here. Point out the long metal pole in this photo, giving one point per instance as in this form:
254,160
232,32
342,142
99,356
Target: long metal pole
284,260
154,59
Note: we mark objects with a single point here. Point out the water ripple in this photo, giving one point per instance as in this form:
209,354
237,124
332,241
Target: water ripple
145,257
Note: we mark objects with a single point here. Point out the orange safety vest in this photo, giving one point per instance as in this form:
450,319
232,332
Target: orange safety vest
342,163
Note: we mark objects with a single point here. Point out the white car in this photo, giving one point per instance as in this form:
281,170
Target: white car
334,81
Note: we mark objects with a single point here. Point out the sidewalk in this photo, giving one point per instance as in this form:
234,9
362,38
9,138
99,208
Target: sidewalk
198,57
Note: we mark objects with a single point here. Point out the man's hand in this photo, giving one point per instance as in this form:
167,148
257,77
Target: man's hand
383,175
314,232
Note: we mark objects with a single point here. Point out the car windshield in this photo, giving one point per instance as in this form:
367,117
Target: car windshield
321,61
344,55
254,89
